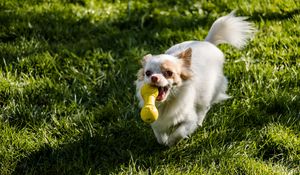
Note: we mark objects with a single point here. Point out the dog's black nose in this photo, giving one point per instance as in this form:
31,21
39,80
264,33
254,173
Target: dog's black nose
154,79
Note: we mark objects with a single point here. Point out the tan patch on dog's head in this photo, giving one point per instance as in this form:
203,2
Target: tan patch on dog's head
171,70
168,65
186,74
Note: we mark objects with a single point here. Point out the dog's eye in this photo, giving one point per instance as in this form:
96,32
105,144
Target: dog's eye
168,73
148,73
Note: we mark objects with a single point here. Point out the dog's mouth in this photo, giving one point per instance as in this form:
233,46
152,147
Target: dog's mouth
162,93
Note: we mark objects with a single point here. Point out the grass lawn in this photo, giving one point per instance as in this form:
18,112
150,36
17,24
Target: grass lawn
68,102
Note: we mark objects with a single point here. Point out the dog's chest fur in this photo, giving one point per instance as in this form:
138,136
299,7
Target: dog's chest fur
177,108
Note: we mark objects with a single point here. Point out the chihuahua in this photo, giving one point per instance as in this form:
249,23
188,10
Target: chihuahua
190,79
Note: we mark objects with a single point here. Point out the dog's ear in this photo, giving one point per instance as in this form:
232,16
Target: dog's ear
146,58
140,74
186,56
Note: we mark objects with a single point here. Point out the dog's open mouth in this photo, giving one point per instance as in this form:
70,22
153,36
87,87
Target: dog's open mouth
162,93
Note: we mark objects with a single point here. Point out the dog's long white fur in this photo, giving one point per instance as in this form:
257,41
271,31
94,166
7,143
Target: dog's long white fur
187,105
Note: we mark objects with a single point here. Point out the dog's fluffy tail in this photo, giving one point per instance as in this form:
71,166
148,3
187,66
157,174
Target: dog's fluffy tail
230,29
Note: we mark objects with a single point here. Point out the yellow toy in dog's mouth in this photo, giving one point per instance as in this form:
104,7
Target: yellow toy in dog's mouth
149,112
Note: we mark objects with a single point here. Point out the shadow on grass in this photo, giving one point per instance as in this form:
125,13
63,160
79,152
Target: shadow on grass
57,31
103,153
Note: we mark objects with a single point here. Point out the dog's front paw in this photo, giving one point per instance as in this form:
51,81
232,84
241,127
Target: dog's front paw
174,140
161,138
171,143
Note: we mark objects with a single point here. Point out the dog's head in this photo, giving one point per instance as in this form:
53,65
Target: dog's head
166,71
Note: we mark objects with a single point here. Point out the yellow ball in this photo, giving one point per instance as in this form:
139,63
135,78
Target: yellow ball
149,113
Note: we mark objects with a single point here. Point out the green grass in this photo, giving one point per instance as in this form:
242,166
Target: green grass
68,101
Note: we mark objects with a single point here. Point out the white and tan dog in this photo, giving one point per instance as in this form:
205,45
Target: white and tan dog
190,78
